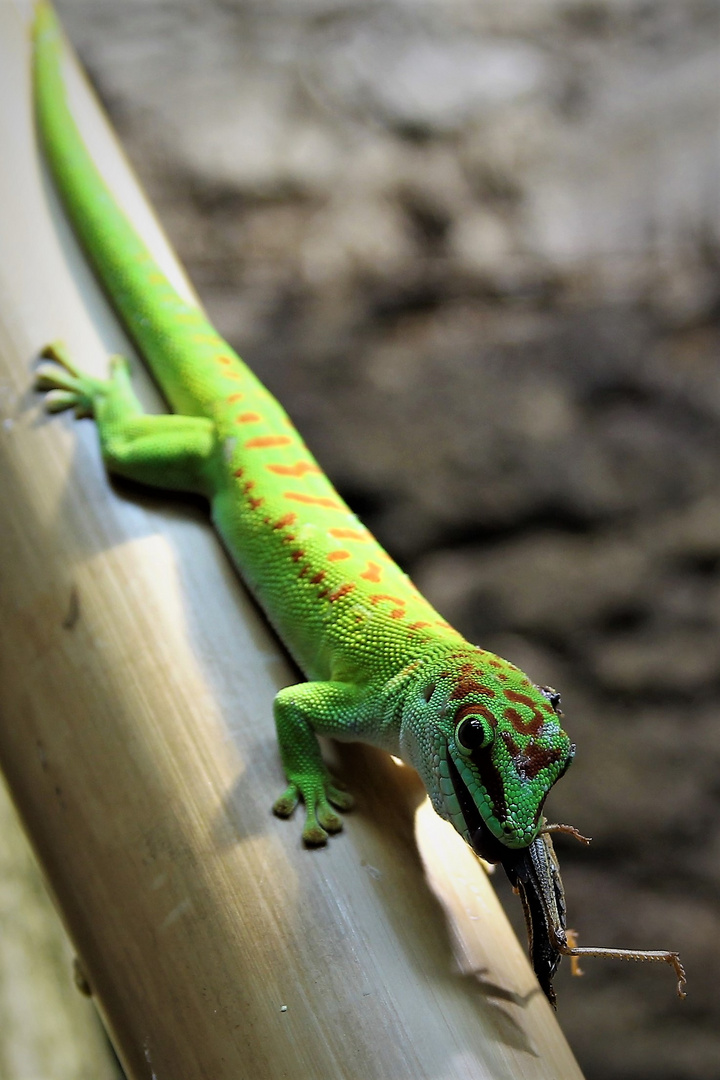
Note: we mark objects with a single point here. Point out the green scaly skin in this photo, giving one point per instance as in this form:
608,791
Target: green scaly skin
383,666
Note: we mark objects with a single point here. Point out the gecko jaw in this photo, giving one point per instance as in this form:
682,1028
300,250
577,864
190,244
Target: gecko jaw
483,842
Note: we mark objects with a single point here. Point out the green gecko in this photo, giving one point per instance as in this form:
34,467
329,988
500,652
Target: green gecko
382,666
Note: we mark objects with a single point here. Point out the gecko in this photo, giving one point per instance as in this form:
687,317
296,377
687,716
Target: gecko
382,665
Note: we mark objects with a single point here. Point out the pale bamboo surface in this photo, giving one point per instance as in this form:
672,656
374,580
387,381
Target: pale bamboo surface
47,1031
136,681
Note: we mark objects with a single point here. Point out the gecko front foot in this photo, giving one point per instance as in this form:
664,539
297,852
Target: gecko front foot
320,818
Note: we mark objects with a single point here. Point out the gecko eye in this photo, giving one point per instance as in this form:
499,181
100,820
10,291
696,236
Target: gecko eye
473,733
552,696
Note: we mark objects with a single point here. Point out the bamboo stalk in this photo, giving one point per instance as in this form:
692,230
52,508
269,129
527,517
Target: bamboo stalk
136,681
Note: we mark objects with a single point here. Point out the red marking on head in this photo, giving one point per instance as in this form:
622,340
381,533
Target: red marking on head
475,710
418,625
300,468
336,556
496,663
372,572
312,500
342,591
254,503
288,538
235,397
296,556
533,759
248,486
317,578
525,727
248,418
503,676
349,534
521,699
304,570
262,441
286,519
513,748
238,472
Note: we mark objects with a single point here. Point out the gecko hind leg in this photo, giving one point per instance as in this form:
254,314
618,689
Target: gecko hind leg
167,451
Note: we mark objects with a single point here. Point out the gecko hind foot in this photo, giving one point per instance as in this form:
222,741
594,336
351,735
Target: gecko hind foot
66,386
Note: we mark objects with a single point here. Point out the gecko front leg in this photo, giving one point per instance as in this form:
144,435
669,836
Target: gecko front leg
302,713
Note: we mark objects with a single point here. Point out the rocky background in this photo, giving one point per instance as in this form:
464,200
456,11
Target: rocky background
474,247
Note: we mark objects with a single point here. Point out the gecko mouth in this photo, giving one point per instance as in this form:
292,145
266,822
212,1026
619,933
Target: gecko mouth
483,842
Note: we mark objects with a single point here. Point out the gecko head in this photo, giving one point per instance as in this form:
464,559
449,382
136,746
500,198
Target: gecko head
489,746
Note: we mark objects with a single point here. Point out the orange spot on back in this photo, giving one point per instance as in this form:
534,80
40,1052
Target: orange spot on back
342,591
238,472
254,503
262,441
397,613
248,418
336,556
235,397
379,597
312,500
225,359
418,625
372,572
349,534
298,469
467,684
287,519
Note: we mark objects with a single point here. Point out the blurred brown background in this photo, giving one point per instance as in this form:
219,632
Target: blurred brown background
474,247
